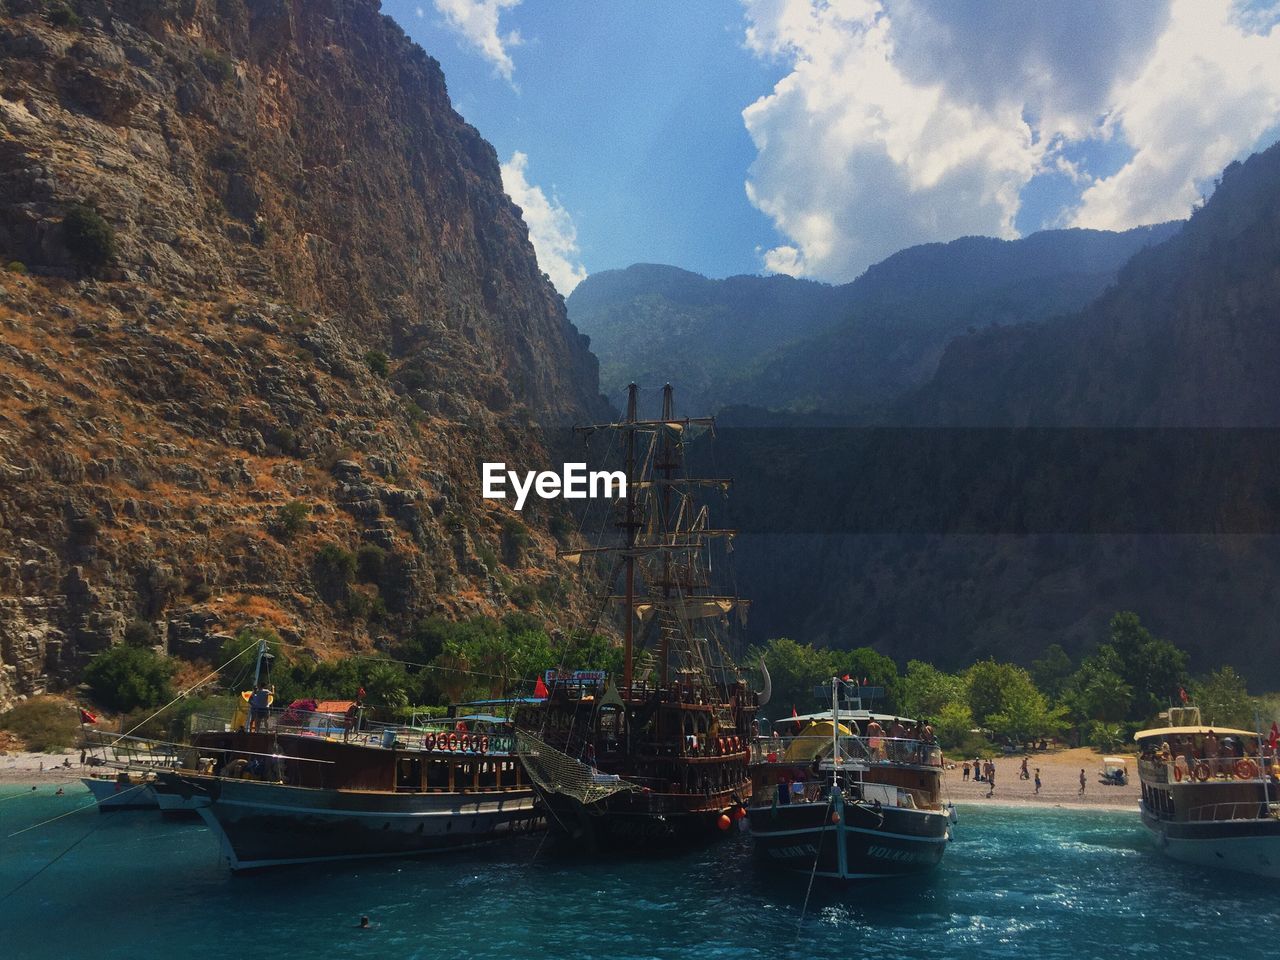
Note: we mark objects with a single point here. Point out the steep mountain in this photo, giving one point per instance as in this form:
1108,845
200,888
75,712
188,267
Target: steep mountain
266,304
652,324
1135,487
781,343
1187,337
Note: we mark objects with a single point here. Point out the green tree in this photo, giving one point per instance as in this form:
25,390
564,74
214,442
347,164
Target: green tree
88,237
1154,669
1052,671
795,669
954,721
334,568
988,684
378,363
126,678
926,691
877,669
1026,714
1098,692
1224,700
291,519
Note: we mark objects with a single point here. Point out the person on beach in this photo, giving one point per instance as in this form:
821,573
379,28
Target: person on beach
1037,781
966,771
1083,781
991,779
1023,773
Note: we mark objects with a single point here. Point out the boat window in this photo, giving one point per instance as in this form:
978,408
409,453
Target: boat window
409,773
438,775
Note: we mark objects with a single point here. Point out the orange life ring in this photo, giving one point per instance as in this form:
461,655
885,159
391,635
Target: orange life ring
429,741
1177,773
1246,769
484,744
453,741
719,745
1201,771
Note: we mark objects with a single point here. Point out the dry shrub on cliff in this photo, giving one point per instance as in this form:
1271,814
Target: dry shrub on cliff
42,723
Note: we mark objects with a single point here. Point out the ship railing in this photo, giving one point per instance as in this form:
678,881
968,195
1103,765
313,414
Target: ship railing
104,748
1237,810
874,751
1252,766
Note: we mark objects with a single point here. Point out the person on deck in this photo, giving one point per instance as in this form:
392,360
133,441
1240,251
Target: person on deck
259,708
1211,752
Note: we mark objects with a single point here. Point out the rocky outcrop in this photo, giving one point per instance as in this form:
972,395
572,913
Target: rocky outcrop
264,294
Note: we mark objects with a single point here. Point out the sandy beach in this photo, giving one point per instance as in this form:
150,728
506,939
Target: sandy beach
34,768
1060,782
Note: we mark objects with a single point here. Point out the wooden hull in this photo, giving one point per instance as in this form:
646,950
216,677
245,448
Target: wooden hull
863,843
636,821
1246,846
267,824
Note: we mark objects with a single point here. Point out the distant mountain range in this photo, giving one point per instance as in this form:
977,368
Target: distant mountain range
1189,336
924,542
787,344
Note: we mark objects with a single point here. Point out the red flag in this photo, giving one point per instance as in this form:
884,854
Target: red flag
360,694
845,678
540,691
87,717
1275,736
1183,694
795,716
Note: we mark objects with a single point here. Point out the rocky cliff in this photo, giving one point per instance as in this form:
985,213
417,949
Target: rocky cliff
266,305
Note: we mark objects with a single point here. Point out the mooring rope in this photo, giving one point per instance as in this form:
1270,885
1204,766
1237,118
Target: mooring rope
822,836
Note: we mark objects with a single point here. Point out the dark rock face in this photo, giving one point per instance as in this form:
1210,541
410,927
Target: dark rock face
311,262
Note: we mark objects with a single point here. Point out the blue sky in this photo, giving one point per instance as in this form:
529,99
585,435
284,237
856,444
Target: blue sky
815,137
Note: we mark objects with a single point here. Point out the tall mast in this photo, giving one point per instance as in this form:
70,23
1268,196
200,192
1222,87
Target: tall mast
631,541
667,466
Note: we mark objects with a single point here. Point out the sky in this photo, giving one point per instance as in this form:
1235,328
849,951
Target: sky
817,137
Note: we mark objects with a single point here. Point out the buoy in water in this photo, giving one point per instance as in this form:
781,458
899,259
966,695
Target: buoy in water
724,822
737,813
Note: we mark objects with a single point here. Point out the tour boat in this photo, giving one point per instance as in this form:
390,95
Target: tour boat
1210,794
842,802
289,794
122,790
657,756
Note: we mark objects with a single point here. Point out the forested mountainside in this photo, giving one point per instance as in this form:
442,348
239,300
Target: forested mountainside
1187,337
652,324
265,305
780,343
955,539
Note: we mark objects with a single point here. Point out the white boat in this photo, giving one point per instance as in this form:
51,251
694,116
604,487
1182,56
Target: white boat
1210,795
122,791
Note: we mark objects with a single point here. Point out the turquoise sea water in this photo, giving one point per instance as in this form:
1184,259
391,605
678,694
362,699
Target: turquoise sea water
1033,883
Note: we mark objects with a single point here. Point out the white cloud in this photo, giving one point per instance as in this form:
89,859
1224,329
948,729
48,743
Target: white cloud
904,121
477,22
1210,91
555,240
